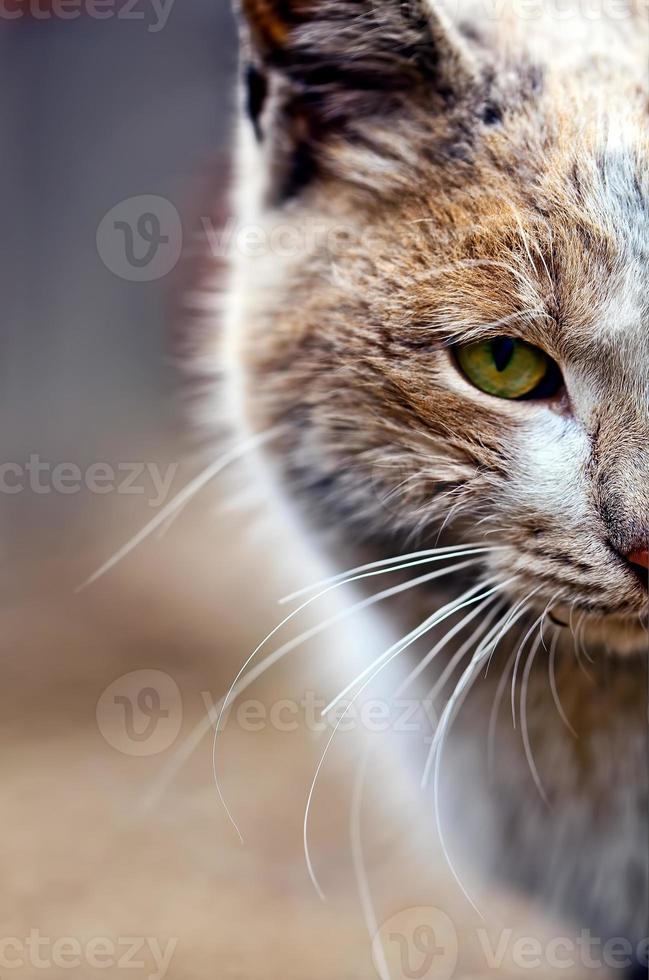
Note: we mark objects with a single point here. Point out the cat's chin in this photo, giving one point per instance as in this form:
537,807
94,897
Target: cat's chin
620,635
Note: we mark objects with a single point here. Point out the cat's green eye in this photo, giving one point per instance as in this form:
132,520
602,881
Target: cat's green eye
509,368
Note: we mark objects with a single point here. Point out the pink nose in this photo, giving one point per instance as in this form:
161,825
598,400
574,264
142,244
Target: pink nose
639,557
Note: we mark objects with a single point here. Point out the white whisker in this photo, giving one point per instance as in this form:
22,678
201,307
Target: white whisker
392,565
517,661
437,617
425,661
178,502
495,710
581,629
292,644
462,651
539,622
527,745
358,861
453,705
448,519
485,649
553,685
194,739
576,642
516,613
382,663
513,616
461,689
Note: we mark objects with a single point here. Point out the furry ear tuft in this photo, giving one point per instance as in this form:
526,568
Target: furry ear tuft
325,73
269,23
366,45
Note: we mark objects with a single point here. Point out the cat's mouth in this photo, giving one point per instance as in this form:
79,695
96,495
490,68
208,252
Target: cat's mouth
640,572
614,630
603,598
611,633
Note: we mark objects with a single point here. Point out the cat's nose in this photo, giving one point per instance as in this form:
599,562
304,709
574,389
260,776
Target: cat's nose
639,557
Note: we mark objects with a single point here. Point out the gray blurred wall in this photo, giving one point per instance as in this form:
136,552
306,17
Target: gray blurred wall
93,112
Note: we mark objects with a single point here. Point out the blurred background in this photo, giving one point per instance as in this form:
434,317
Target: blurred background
95,112
118,857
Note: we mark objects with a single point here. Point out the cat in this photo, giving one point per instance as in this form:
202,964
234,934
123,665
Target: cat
437,320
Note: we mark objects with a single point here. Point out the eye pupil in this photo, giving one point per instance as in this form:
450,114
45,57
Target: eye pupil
508,367
502,349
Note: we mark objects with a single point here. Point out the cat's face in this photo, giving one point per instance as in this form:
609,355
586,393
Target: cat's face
450,319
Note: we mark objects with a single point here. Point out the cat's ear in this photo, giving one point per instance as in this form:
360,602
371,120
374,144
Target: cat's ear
341,60
381,44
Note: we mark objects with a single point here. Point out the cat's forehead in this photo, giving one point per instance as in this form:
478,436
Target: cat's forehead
602,274
574,248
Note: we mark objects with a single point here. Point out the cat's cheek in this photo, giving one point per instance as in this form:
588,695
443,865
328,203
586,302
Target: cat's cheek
553,454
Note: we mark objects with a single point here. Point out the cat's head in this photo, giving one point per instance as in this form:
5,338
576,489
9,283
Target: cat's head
444,301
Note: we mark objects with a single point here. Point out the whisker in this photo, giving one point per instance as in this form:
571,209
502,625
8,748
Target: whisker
503,321
495,710
485,649
292,644
512,617
462,688
437,617
542,629
553,685
195,737
529,753
392,565
448,519
519,655
538,622
538,251
517,613
576,644
581,629
178,502
382,662
360,871
448,672
453,705
425,661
